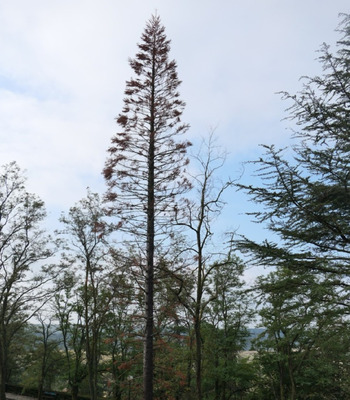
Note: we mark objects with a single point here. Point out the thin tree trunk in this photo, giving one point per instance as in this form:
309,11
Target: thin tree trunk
75,391
292,382
190,361
43,373
2,382
197,331
148,345
40,390
198,359
3,364
217,382
91,338
198,308
281,382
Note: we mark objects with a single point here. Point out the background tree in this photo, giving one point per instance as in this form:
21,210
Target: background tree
144,170
168,333
122,344
17,363
45,360
68,311
23,245
226,330
302,317
197,218
89,254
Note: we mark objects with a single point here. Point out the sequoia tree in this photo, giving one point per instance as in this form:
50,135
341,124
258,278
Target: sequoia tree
145,167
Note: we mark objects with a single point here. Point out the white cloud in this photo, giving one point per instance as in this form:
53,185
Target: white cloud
64,65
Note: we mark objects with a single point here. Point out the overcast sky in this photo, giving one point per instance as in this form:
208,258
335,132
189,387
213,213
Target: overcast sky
64,63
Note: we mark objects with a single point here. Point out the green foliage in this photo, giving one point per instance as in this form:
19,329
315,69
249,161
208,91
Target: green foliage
227,373
305,200
43,359
24,249
302,320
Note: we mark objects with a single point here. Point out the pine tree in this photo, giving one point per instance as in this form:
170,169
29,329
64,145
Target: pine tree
145,167
305,198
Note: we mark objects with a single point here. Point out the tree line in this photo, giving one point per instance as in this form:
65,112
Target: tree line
133,298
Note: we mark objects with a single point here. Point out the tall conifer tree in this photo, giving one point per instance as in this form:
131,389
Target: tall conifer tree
305,198
146,163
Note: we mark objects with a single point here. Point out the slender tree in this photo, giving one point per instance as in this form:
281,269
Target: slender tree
49,356
302,317
197,218
23,244
144,170
70,313
42,357
227,316
87,232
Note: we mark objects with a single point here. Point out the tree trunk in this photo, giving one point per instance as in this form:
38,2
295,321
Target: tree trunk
92,369
292,381
148,345
43,367
198,358
198,337
40,390
75,391
2,382
190,361
3,364
91,340
217,382
198,308
281,386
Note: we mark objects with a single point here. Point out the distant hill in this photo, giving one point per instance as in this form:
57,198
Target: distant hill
56,335
254,333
